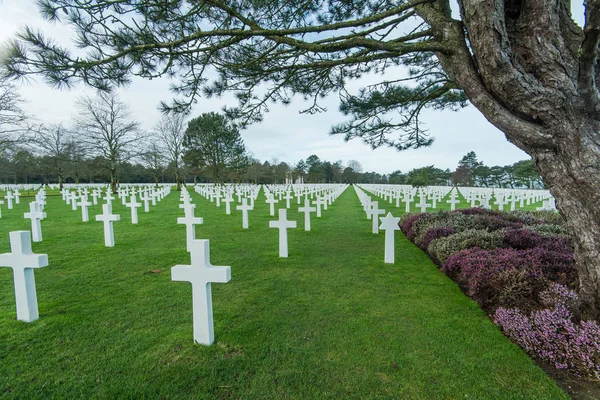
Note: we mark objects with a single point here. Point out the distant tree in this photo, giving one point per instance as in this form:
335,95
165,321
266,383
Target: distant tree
497,176
107,130
301,169
349,176
54,142
13,119
153,158
526,174
397,178
483,176
315,172
213,144
170,131
355,166
428,176
465,174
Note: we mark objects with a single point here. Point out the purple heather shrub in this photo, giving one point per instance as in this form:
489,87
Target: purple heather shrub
435,233
522,239
494,222
472,211
551,334
408,223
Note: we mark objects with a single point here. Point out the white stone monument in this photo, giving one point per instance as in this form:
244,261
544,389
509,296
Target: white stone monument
190,221
389,224
108,218
307,210
35,215
201,274
283,225
22,261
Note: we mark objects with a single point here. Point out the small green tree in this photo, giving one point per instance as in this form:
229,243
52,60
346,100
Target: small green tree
213,144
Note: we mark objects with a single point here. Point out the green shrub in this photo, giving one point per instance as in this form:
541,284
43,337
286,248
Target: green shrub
442,248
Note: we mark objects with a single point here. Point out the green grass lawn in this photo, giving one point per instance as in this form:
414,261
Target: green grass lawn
331,321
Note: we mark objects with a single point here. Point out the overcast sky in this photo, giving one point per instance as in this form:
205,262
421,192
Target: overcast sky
284,134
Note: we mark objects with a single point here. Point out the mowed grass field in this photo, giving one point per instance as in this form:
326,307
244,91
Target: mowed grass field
331,321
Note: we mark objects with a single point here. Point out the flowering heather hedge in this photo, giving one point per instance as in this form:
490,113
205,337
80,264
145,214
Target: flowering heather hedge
519,267
552,335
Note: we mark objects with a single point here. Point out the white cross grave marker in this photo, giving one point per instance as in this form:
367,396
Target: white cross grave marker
306,210
200,273
389,224
244,208
375,212
22,261
282,224
108,218
190,221
35,215
133,204
84,204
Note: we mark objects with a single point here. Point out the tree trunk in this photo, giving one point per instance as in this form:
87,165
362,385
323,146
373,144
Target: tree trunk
572,174
177,180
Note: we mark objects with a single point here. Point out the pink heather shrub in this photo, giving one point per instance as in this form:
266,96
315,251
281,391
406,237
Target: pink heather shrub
552,335
408,224
489,274
495,222
435,233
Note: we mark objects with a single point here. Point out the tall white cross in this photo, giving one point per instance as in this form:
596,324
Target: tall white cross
375,212
500,202
22,261
190,221
453,201
200,273
271,200
84,204
17,196
283,225
319,202
423,203
244,208
389,224
228,200
288,196
108,218
35,215
108,198
74,197
9,200
133,204
145,197
306,210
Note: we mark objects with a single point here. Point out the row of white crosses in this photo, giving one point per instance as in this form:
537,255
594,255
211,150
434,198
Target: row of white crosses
488,198
389,223
200,273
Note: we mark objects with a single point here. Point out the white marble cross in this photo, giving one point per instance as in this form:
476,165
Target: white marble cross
423,203
133,204
17,196
146,199
22,261
283,225
84,204
108,218
453,201
319,202
244,208
228,200
389,224
200,273
190,221
9,200
35,215
271,200
109,198
74,197
375,212
288,196
307,210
